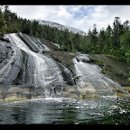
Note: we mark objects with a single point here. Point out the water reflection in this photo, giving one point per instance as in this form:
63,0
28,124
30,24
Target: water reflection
66,111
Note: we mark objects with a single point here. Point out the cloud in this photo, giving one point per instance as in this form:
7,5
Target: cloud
82,17
80,11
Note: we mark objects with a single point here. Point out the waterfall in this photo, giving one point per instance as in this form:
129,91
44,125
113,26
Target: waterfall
90,76
28,66
46,74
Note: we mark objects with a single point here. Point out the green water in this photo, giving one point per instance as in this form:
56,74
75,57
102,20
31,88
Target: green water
66,111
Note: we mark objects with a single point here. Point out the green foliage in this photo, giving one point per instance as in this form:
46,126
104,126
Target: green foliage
99,63
114,40
129,79
127,55
2,23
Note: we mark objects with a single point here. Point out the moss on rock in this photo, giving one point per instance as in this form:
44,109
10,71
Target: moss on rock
112,67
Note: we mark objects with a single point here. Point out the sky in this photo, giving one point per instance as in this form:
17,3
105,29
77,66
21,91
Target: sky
82,17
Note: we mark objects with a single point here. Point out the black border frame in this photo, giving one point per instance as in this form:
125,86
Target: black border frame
64,2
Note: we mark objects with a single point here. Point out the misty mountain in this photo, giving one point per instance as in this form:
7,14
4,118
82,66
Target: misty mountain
61,27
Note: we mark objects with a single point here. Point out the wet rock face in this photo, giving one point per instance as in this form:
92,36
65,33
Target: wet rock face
82,57
34,44
91,78
27,63
27,66
25,76
112,67
5,51
10,65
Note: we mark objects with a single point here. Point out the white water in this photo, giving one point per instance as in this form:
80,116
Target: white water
47,73
91,77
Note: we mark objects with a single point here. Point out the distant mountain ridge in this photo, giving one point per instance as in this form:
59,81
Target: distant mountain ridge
61,27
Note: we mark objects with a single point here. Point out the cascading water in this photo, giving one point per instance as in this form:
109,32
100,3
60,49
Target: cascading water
91,78
67,74
46,74
28,66
35,69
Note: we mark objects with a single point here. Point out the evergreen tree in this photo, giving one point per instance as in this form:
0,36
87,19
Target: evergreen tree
2,23
113,40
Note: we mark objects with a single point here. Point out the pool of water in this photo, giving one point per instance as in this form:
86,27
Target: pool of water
106,110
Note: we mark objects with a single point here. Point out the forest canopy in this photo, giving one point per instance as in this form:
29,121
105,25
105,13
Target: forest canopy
114,40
